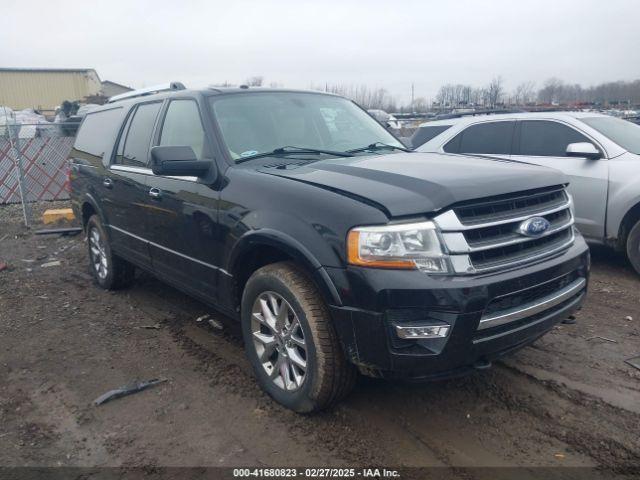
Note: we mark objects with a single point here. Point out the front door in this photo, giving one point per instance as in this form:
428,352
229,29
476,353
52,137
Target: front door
182,222
544,142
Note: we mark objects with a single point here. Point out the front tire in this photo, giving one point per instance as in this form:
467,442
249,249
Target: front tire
108,270
290,341
633,246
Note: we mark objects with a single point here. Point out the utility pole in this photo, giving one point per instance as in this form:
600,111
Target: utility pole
412,96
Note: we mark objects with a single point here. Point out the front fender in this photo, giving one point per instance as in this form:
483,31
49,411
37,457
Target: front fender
292,248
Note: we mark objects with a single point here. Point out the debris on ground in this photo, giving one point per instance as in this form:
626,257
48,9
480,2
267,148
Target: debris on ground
60,231
127,390
559,456
202,318
53,215
634,362
3,266
216,324
628,318
602,338
54,263
156,326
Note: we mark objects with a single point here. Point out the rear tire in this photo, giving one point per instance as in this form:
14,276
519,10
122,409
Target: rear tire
286,325
108,270
633,246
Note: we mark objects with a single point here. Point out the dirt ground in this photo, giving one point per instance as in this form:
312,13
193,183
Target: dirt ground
569,400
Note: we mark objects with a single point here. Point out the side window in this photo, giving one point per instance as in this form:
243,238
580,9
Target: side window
487,138
182,126
425,134
547,139
133,148
98,130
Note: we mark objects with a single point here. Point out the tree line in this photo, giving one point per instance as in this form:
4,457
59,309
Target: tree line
554,91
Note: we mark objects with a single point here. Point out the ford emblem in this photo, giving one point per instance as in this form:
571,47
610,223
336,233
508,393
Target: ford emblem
534,226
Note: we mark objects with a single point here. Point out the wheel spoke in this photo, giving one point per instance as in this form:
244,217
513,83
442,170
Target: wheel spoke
297,377
299,341
267,317
296,358
268,343
295,323
284,374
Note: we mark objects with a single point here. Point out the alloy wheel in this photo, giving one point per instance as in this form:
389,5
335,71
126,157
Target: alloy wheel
98,254
279,340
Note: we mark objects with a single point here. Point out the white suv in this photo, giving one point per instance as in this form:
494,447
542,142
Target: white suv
600,154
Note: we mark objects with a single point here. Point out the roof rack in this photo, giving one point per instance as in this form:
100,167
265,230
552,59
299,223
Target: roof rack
444,116
165,87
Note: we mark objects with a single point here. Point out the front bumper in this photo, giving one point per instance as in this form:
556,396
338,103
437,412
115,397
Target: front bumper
379,300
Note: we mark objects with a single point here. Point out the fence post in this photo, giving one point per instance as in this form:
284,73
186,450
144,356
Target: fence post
26,208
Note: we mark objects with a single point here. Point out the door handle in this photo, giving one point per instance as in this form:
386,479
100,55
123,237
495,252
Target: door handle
155,193
107,182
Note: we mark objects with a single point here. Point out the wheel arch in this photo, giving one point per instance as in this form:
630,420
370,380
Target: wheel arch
257,249
90,207
628,221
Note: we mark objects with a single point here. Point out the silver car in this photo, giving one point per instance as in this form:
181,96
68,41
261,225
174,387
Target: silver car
600,154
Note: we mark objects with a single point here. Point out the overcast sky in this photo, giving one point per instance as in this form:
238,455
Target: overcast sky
296,42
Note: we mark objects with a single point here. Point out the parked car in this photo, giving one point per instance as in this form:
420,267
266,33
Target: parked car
299,215
386,119
599,153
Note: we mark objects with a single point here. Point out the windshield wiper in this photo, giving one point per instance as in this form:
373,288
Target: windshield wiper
378,146
288,150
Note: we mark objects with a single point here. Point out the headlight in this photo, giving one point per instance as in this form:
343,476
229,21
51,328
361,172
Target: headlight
404,246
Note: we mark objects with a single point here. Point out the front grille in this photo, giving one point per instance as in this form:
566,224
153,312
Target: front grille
507,206
483,235
519,251
502,233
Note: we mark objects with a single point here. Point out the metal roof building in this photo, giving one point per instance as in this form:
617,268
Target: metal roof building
46,88
109,88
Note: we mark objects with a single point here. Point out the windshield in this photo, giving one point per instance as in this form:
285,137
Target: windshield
261,122
622,132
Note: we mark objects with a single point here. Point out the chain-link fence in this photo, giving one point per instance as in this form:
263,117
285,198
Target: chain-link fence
33,162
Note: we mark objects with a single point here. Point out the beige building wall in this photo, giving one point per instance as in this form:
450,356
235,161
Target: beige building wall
45,89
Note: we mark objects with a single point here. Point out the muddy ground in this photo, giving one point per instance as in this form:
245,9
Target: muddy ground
569,400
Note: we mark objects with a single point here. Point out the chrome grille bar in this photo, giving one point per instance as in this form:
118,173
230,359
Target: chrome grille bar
537,306
449,222
497,243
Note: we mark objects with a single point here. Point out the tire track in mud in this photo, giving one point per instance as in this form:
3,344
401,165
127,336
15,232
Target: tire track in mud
220,358
613,423
353,432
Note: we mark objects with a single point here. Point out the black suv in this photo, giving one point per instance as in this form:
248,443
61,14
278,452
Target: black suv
338,250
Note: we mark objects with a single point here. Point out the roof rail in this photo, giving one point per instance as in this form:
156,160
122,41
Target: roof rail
165,87
444,116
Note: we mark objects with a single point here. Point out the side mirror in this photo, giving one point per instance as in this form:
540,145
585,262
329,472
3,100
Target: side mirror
583,150
178,161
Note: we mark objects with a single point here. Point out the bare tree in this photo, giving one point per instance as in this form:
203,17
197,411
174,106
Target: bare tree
495,91
550,92
524,93
364,96
255,81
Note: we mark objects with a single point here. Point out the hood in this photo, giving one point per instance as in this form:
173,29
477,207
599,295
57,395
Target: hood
414,183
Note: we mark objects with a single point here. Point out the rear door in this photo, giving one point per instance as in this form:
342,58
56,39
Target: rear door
127,182
493,139
182,221
544,142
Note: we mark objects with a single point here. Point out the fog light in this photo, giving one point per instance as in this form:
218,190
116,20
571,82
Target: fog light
418,332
